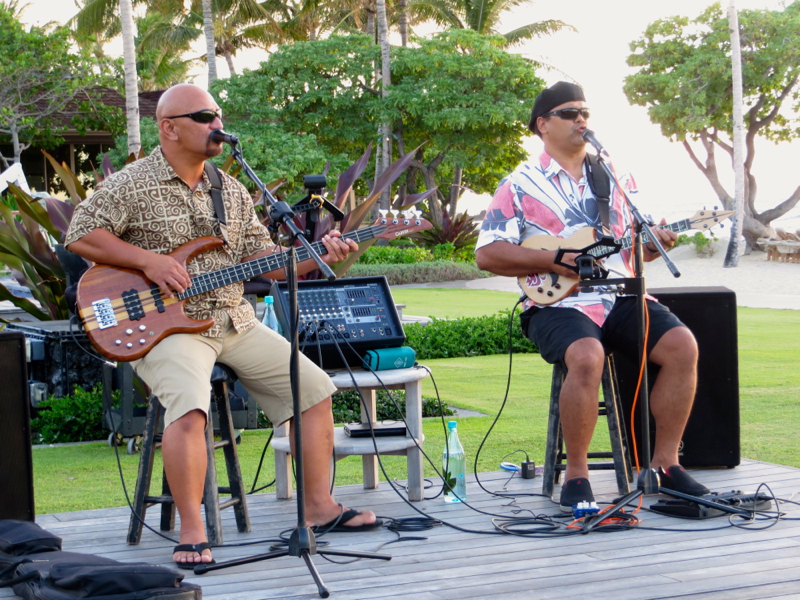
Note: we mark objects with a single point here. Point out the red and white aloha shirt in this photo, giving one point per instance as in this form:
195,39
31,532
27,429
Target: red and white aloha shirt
541,198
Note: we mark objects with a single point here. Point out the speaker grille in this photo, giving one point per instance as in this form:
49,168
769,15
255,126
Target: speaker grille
16,465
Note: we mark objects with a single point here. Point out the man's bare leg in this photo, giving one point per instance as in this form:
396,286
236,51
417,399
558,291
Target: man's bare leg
673,392
578,402
183,449
317,452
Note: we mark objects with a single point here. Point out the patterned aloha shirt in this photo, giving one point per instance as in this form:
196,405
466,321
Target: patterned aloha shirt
148,205
541,198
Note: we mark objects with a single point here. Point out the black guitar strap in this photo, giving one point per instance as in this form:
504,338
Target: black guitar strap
215,178
600,184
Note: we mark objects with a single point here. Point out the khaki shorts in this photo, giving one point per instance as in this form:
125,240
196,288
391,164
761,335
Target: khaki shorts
178,372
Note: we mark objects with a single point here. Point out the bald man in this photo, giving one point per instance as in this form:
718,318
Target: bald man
134,220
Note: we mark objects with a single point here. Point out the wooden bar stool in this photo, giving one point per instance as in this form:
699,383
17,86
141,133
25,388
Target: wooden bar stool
611,408
221,378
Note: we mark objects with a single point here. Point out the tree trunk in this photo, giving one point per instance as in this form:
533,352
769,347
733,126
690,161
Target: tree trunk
455,191
386,78
15,144
131,78
208,29
402,9
732,255
229,60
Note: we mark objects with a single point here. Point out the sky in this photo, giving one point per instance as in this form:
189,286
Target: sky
669,183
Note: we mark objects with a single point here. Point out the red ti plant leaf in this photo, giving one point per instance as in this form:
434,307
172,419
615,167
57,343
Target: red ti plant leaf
60,214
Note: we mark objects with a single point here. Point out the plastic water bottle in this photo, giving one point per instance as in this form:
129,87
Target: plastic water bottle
270,319
454,466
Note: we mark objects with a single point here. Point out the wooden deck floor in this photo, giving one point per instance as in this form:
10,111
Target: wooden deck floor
692,563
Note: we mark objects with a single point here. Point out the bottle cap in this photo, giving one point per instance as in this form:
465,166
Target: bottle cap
452,424
269,300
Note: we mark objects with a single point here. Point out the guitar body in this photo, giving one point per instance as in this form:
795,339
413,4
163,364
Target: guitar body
549,288
130,339
125,316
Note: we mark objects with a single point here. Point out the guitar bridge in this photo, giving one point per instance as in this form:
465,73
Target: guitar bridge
104,313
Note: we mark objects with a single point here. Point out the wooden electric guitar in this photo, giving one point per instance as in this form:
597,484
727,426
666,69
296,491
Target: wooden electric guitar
125,314
549,288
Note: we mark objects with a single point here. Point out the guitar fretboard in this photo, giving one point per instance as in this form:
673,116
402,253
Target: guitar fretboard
247,270
677,227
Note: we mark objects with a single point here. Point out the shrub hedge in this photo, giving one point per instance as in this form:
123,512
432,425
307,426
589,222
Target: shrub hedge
467,336
422,272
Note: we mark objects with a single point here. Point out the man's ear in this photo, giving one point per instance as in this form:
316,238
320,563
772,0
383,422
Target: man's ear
167,129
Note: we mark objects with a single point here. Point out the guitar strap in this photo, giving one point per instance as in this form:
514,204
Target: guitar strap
215,178
600,184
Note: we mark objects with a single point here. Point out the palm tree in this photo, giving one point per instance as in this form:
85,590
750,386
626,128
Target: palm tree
99,17
482,16
160,66
237,25
208,30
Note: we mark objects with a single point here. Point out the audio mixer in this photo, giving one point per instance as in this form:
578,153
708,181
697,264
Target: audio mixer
359,314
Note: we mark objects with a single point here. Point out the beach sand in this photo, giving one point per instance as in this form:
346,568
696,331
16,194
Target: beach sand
757,282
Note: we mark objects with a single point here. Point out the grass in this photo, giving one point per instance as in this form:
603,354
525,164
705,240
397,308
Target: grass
85,476
452,303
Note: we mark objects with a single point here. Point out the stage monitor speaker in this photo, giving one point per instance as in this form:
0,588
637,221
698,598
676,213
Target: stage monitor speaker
711,438
16,463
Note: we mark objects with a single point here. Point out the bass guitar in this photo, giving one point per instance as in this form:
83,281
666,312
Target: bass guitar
549,288
125,314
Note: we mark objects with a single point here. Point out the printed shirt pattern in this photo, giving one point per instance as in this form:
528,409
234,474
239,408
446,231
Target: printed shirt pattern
148,205
541,198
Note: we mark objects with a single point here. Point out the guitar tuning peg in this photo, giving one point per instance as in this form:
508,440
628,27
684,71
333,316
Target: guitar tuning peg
383,213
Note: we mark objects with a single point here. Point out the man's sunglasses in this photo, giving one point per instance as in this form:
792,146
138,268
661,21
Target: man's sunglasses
570,114
201,116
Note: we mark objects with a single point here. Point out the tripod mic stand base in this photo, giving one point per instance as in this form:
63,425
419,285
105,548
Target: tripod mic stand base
648,482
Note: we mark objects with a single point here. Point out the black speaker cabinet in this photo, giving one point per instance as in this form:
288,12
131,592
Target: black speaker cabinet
711,438
16,464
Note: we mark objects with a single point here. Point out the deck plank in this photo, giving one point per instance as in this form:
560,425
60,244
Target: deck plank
663,558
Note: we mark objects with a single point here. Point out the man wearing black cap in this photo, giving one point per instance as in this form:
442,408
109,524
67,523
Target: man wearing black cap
552,196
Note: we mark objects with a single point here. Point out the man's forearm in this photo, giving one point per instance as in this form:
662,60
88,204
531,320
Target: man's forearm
102,246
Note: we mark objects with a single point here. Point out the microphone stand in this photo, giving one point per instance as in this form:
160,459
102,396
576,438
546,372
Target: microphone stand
648,482
302,542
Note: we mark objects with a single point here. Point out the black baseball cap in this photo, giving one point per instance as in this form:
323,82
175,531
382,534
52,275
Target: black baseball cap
555,95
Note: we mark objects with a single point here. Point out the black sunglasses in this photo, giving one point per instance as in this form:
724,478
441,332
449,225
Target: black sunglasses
570,114
201,116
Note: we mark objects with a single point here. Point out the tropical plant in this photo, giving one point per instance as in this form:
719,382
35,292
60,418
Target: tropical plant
26,245
461,231
684,78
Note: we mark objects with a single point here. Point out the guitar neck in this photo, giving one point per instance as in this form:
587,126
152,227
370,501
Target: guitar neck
247,270
677,227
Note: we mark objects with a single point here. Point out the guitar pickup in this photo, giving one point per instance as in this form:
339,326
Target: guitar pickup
104,313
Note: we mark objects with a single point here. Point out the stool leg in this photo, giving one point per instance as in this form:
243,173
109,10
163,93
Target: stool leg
414,454
210,491
167,508
552,449
283,467
369,462
231,457
145,470
615,427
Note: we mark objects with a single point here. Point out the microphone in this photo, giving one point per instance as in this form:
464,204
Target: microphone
588,137
221,137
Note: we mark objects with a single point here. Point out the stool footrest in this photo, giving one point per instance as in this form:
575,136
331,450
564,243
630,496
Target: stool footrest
231,502
159,499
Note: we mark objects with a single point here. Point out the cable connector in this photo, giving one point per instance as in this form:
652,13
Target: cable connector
585,509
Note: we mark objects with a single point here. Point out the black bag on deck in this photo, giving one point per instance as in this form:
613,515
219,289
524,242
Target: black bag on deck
49,574
25,537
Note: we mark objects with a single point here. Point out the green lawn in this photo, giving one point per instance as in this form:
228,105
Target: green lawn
85,476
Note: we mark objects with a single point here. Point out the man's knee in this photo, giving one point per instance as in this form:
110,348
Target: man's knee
193,422
585,359
677,347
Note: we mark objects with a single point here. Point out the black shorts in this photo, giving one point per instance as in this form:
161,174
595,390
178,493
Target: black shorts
553,329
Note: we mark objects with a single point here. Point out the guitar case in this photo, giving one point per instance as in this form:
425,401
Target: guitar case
32,564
